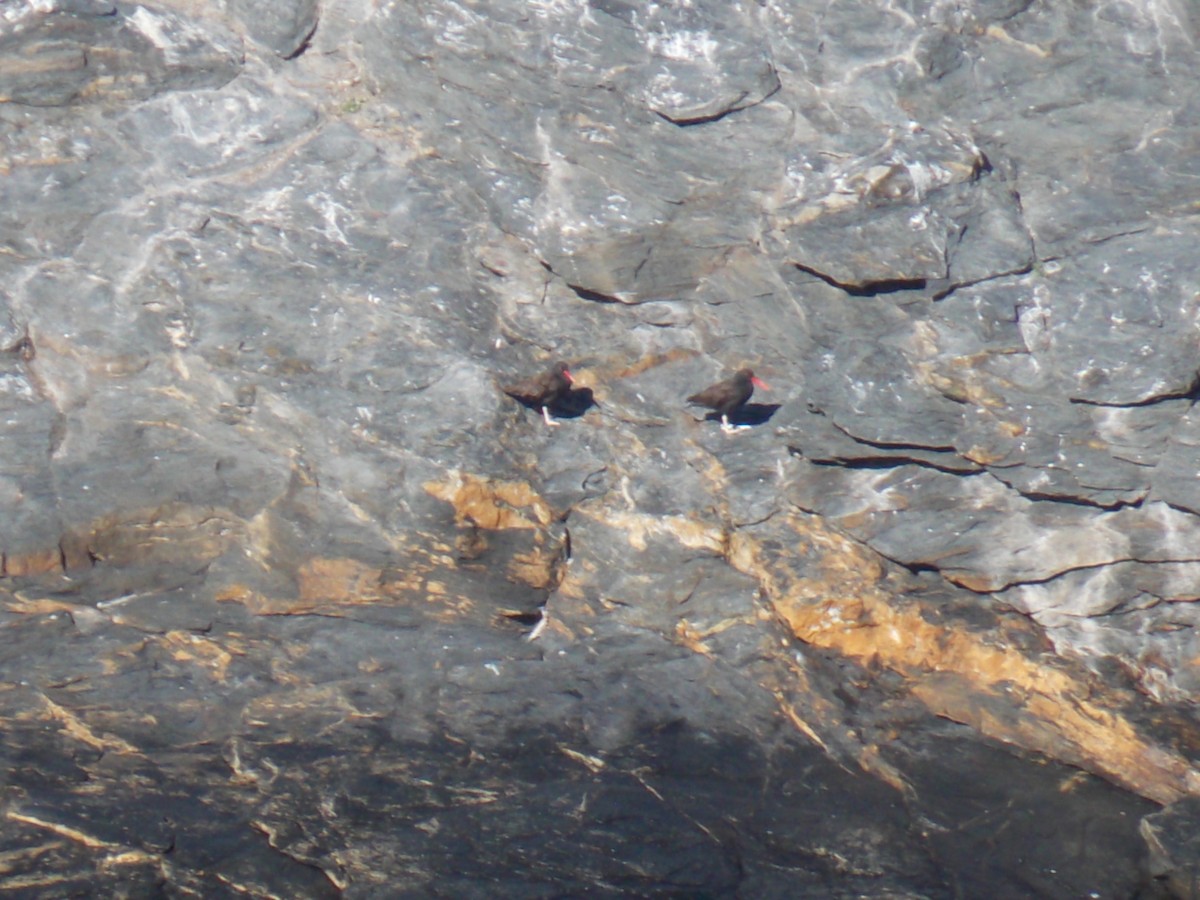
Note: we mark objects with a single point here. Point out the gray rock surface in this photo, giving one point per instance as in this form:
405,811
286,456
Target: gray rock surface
1171,836
298,603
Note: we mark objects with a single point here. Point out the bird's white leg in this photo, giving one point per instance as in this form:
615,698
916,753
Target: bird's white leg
725,426
540,626
546,415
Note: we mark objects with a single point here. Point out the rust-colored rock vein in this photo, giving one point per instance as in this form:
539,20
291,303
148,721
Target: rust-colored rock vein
976,679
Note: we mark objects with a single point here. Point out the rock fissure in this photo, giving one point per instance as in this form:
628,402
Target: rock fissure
867,288
290,537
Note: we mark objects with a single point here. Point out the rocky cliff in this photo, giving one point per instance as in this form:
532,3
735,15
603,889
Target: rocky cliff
296,602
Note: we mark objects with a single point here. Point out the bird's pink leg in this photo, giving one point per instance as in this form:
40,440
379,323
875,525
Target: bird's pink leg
546,415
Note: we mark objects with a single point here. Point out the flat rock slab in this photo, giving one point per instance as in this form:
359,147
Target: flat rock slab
297,602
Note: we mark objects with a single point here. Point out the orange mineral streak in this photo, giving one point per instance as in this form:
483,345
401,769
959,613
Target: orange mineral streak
324,585
639,528
206,654
609,369
76,727
537,569
491,504
338,581
334,586
174,533
38,606
37,562
960,675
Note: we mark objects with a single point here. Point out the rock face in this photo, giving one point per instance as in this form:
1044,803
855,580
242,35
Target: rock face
296,602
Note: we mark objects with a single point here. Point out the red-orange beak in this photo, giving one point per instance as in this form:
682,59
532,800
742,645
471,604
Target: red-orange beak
758,382
567,375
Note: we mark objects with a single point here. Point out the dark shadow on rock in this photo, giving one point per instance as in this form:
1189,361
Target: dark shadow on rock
750,414
574,403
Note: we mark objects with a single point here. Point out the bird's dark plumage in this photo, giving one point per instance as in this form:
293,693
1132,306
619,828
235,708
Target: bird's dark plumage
543,391
729,395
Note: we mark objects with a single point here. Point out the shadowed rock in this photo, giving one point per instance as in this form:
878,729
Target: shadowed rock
277,556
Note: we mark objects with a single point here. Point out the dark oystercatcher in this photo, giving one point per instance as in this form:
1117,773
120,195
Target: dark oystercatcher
543,391
729,396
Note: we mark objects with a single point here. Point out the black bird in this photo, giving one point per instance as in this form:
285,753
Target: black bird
729,396
543,391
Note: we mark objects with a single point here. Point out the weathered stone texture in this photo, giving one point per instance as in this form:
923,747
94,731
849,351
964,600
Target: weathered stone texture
297,603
